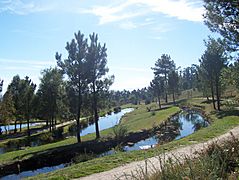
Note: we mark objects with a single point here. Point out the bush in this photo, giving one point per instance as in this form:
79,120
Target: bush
147,101
230,104
153,113
46,138
120,132
58,133
117,109
82,158
72,128
216,162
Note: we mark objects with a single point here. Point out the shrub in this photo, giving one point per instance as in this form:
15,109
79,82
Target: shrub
120,131
58,133
230,104
82,158
153,113
72,128
46,138
216,162
117,109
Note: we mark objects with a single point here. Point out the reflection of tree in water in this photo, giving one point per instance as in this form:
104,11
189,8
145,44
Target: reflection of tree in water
197,120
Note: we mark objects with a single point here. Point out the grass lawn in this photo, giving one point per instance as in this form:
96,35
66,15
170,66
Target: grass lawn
136,120
221,123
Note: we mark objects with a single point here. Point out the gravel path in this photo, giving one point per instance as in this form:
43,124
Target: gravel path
189,151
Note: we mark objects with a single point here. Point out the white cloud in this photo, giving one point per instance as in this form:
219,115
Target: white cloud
190,10
114,12
181,9
22,8
128,25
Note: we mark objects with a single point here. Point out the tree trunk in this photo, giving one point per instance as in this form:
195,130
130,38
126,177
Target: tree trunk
55,122
97,132
20,125
218,95
15,128
166,97
28,127
159,101
212,91
28,118
78,114
49,123
52,122
5,129
173,98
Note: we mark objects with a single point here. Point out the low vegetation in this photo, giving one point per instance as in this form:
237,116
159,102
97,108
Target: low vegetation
139,116
215,162
219,125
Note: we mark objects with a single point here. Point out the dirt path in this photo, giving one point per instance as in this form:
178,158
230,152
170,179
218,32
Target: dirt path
190,151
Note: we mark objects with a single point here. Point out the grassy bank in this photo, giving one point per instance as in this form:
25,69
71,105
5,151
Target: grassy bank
221,123
140,115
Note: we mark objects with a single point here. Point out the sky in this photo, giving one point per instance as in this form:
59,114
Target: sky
136,33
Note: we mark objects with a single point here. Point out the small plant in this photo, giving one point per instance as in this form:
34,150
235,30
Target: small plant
153,113
218,161
118,148
117,109
46,138
58,133
120,132
82,158
230,104
72,128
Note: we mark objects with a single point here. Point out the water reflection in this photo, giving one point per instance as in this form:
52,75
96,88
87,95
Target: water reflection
104,122
186,122
25,174
12,126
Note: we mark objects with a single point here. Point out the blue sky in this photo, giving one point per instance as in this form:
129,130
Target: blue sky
136,32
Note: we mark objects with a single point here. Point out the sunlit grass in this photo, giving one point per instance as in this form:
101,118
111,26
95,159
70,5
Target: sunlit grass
217,127
132,120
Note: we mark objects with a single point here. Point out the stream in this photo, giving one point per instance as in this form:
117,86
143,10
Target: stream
187,123
105,122
12,126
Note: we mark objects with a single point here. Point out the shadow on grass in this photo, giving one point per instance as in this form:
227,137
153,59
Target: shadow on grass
222,114
162,108
208,102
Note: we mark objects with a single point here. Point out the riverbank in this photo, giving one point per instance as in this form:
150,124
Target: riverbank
18,156
134,169
221,122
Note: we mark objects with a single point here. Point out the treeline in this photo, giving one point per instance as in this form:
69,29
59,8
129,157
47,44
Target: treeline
218,66
84,92
211,77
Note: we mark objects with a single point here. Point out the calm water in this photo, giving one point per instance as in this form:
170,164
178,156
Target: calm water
189,122
12,126
104,123
25,174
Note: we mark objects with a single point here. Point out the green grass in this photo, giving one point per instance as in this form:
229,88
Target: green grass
217,127
218,161
144,120
141,119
